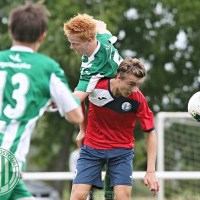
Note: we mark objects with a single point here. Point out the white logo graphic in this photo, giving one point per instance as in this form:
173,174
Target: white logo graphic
107,46
131,177
15,58
126,106
9,171
75,173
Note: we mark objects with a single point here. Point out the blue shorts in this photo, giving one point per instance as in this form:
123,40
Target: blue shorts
91,161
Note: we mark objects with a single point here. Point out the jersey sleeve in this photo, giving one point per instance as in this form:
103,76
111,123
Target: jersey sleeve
145,116
61,93
88,83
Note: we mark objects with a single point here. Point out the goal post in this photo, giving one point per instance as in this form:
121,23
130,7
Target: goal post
178,143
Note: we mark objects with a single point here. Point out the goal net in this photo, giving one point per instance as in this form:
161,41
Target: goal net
178,150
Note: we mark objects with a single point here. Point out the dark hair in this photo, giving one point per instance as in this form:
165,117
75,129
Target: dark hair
131,66
28,22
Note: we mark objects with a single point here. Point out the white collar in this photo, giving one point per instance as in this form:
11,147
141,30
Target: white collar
95,51
21,48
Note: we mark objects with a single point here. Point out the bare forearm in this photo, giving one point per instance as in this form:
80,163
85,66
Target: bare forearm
82,125
151,151
75,116
150,178
81,136
80,95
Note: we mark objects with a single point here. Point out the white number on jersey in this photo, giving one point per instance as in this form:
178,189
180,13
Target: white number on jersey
18,94
117,59
3,75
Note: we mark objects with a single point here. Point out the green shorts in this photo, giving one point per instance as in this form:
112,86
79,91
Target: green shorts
18,192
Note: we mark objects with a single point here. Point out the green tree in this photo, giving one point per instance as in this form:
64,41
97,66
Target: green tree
150,30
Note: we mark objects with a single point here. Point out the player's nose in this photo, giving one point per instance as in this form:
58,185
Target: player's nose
134,89
71,46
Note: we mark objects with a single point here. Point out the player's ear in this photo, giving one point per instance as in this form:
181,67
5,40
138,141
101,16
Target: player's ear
90,40
41,38
118,77
10,32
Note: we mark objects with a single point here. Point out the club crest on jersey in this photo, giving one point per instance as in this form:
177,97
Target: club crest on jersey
126,106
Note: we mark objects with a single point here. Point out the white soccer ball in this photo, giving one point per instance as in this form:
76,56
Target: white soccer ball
194,106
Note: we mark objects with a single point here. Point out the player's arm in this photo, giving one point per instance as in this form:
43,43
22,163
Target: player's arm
75,116
101,27
150,178
81,136
67,104
80,95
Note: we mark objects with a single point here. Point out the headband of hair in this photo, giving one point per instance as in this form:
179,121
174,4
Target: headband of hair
133,67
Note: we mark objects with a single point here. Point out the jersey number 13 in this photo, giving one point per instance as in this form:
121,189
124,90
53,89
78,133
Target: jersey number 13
19,94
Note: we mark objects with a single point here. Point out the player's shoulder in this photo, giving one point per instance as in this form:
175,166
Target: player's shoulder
46,58
102,84
47,63
4,52
106,38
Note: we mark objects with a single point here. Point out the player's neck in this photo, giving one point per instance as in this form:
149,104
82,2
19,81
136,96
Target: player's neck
92,48
34,46
114,88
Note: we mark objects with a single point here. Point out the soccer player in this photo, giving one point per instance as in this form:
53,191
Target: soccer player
115,104
29,81
91,39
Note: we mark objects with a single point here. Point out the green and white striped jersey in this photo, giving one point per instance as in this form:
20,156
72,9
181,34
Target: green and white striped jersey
102,63
28,83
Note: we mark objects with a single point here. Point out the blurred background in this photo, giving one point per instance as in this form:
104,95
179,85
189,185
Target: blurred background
164,34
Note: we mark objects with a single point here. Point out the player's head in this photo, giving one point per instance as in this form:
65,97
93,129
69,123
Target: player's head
82,25
81,33
131,66
28,22
130,75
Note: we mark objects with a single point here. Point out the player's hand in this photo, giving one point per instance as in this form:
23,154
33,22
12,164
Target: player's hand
151,181
101,27
100,24
53,105
80,139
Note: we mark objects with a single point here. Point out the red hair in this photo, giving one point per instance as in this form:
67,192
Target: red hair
83,25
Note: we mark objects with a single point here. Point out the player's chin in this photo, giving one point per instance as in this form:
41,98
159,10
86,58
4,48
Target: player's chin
126,94
79,53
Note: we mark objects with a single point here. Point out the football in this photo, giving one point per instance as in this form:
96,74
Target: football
194,106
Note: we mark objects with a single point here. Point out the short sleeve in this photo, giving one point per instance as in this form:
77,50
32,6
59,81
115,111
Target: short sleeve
145,116
61,93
